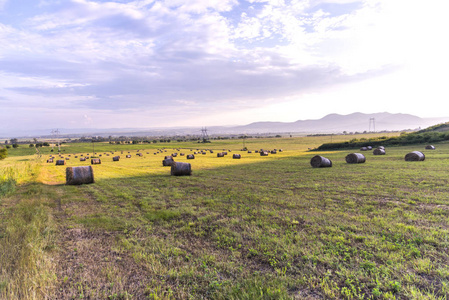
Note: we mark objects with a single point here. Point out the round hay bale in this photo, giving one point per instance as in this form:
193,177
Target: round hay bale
181,169
128,155
221,154
320,162
363,149
95,161
369,147
67,158
190,156
182,154
430,147
257,151
415,156
280,150
379,151
355,158
273,152
116,158
82,159
50,160
225,153
60,162
168,162
79,175
263,153
249,151
211,151
174,155
236,156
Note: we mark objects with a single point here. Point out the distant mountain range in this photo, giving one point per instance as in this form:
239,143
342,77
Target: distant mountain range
332,123
335,123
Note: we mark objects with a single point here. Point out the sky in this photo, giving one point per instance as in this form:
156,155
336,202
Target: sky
166,63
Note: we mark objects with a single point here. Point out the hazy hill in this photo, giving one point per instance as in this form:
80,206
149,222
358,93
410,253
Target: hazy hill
332,123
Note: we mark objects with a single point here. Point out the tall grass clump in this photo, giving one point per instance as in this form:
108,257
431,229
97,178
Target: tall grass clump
26,241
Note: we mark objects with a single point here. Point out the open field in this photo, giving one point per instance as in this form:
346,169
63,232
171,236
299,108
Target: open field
251,228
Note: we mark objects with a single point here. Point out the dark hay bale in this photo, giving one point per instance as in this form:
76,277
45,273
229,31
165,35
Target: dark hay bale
320,162
82,159
181,169
190,156
236,156
415,156
128,155
430,147
263,153
60,162
79,175
273,152
174,154
221,154
257,151
116,158
50,160
95,161
280,150
182,154
225,153
249,151
168,162
67,158
364,149
379,151
355,158
211,151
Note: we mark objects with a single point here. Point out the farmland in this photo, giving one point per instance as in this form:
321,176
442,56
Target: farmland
251,228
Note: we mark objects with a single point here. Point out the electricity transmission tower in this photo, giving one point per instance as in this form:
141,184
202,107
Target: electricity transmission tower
373,122
55,134
204,134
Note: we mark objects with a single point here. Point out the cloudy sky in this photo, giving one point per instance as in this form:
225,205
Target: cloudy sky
153,63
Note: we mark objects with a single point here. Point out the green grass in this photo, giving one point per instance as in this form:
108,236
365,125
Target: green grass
255,228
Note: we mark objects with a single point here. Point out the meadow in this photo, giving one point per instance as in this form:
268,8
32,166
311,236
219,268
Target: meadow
257,227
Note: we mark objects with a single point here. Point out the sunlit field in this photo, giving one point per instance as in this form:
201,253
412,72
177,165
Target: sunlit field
259,227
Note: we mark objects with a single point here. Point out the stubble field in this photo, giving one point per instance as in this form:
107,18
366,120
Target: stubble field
252,228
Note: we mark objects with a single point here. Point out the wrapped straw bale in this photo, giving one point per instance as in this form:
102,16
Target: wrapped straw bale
95,161
60,162
168,162
181,169
355,158
79,175
319,161
415,156
379,151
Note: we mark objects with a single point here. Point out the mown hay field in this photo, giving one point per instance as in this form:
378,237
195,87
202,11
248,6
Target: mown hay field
259,227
